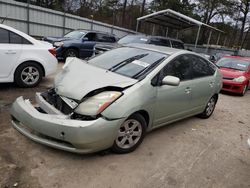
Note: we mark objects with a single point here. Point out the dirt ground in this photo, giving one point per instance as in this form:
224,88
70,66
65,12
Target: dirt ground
190,153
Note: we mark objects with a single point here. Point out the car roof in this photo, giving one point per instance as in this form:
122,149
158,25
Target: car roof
161,37
237,57
156,48
103,32
22,34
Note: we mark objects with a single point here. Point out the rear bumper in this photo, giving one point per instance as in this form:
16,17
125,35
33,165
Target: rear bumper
233,87
59,131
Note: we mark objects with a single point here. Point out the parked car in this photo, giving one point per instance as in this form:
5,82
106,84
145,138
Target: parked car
141,39
79,43
236,73
113,99
24,60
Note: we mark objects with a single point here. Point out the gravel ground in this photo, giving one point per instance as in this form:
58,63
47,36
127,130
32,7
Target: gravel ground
190,153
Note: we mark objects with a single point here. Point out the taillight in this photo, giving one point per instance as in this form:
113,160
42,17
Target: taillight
53,51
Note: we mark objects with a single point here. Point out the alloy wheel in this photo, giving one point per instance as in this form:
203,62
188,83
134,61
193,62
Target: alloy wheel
129,134
210,106
30,75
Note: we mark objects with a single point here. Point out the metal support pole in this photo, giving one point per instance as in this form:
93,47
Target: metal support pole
177,34
137,25
218,40
167,32
28,17
92,17
225,40
153,32
64,23
197,37
208,41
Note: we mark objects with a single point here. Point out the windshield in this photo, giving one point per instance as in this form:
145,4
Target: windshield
128,61
233,64
133,39
75,34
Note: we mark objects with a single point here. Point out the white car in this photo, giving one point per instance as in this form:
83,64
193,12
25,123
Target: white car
23,59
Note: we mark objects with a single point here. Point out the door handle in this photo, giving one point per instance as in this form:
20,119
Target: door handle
211,84
188,90
10,52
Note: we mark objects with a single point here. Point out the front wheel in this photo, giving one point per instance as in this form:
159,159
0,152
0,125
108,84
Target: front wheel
130,134
209,108
244,90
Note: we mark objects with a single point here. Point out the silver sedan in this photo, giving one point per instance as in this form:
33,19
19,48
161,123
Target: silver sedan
113,99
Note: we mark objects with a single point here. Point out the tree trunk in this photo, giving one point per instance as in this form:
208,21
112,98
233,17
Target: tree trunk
142,7
245,12
124,11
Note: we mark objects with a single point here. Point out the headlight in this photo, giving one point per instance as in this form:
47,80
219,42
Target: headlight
240,79
96,104
58,44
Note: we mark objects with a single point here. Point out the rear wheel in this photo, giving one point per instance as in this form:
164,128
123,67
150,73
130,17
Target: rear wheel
209,108
28,74
130,134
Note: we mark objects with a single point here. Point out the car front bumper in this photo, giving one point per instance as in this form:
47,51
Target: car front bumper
233,87
57,130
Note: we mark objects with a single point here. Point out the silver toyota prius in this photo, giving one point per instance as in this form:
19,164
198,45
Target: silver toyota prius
113,99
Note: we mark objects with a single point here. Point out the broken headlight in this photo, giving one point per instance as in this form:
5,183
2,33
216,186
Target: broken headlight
97,103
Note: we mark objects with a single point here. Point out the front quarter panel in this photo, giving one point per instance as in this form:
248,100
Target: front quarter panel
140,96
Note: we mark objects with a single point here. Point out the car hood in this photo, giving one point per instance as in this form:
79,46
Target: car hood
231,73
57,39
107,47
78,78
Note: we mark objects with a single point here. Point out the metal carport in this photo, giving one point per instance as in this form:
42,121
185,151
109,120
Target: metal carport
175,20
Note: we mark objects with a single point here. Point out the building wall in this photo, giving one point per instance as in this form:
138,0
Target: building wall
38,21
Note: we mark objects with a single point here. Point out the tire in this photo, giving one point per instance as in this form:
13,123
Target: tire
209,108
28,74
244,90
130,134
71,53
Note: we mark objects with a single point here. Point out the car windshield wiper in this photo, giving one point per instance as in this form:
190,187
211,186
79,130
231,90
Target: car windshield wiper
125,62
232,68
137,75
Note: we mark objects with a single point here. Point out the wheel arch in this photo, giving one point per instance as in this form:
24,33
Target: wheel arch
144,114
31,61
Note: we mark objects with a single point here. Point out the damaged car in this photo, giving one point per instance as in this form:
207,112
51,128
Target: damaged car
114,99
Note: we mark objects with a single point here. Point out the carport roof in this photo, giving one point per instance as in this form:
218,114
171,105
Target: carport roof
173,19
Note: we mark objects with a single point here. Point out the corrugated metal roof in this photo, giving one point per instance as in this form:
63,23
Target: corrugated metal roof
172,19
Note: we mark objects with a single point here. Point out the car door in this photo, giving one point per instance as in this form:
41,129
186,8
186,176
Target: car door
10,51
204,81
173,102
87,45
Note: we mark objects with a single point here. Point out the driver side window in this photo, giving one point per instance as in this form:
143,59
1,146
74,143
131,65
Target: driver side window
180,67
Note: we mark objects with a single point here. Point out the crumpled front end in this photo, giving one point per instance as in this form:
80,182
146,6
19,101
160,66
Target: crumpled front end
52,122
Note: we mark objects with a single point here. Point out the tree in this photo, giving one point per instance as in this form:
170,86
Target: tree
123,11
244,8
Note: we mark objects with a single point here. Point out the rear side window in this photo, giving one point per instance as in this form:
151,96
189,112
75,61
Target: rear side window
201,67
15,39
176,44
4,36
104,38
160,42
12,38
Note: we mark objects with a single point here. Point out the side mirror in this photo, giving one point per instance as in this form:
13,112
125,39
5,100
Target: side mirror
85,39
170,80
